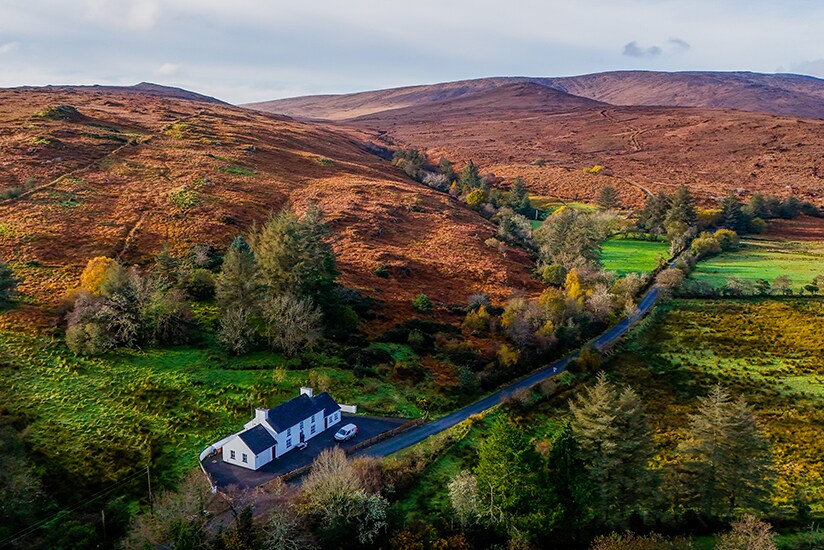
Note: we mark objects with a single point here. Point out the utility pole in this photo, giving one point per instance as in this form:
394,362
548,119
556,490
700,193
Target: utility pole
149,479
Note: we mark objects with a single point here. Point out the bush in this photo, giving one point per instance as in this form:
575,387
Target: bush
727,238
185,198
554,274
705,245
422,303
199,284
476,197
8,283
477,321
94,273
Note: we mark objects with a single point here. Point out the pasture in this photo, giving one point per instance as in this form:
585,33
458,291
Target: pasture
632,256
760,258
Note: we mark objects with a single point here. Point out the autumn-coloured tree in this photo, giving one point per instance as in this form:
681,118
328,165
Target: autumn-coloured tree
94,273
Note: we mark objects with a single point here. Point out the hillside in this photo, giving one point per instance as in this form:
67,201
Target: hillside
779,94
119,172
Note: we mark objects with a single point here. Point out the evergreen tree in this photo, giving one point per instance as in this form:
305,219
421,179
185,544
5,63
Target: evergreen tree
511,481
446,168
725,460
238,284
8,283
607,197
570,238
654,215
682,208
294,256
470,178
615,441
573,489
732,214
757,207
518,198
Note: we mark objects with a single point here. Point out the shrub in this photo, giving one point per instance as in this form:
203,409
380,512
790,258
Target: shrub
60,112
508,356
422,303
94,273
597,169
481,299
727,238
8,283
705,245
477,321
476,197
554,274
185,198
381,271
199,284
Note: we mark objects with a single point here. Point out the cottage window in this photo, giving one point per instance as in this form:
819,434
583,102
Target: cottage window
232,455
245,457
313,420
301,424
288,443
313,428
288,432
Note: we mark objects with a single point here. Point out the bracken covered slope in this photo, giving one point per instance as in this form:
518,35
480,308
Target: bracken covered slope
549,137
126,172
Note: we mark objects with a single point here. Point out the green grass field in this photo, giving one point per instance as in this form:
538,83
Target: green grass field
95,420
766,259
548,205
627,256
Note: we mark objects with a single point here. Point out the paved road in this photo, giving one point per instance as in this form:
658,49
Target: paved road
416,435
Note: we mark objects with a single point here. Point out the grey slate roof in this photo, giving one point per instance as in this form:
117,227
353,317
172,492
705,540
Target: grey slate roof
300,408
257,439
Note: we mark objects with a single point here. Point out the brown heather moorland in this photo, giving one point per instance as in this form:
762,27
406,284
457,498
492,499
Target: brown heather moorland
128,171
524,127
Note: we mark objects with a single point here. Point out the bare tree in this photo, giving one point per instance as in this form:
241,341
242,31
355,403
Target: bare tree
292,322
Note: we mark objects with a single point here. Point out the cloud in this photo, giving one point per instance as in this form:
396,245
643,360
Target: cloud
140,15
812,68
8,47
678,44
168,69
632,49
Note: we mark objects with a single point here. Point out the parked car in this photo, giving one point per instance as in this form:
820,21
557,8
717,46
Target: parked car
346,433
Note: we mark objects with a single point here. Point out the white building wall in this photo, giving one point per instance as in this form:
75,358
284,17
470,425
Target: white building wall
239,447
333,419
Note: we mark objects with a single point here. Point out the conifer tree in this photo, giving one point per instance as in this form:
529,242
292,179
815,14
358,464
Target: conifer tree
238,284
518,198
612,432
682,208
511,483
654,214
725,459
732,214
607,197
470,179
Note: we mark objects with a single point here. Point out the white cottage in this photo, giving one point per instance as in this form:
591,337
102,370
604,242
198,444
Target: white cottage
273,432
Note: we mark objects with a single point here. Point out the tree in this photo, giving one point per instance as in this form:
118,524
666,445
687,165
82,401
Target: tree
470,179
94,273
236,333
748,534
518,198
284,530
757,207
570,238
615,441
336,496
631,541
8,283
725,459
446,168
573,488
239,284
165,317
732,214
653,216
607,197
463,496
511,481
293,254
782,284
291,322
681,208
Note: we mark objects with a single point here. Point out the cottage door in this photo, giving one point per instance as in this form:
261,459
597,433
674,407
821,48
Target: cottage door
301,436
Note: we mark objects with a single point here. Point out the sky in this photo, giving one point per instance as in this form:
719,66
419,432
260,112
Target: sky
255,50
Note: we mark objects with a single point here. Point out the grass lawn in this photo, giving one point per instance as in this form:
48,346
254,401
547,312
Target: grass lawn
95,420
547,205
627,256
769,351
766,259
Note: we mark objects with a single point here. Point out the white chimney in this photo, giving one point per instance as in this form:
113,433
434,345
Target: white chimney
261,414
306,390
